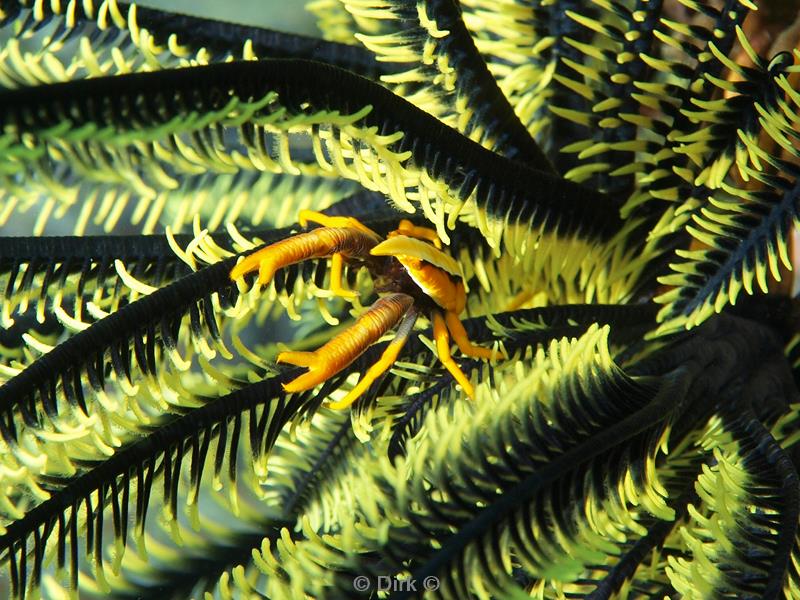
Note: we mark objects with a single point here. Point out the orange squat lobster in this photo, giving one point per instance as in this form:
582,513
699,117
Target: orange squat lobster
409,271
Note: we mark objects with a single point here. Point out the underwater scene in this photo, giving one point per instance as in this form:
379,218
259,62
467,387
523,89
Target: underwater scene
442,299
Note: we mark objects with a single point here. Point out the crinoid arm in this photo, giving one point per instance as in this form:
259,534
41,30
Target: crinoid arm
344,348
319,243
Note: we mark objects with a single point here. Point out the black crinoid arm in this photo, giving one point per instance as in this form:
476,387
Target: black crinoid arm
617,183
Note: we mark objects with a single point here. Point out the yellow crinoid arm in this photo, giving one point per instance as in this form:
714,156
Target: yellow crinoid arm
319,243
442,338
305,216
385,362
408,229
467,348
347,346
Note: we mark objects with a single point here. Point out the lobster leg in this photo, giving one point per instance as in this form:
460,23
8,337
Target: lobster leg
408,229
337,289
337,259
313,216
442,338
456,328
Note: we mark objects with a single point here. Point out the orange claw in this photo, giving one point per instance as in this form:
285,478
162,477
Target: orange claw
337,260
385,362
319,243
347,346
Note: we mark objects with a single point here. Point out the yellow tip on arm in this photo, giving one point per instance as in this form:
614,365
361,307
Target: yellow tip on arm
467,348
442,338
347,346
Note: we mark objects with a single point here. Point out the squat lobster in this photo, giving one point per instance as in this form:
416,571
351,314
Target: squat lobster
409,270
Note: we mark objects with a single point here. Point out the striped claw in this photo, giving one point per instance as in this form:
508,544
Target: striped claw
319,370
262,261
319,243
385,362
347,346
298,359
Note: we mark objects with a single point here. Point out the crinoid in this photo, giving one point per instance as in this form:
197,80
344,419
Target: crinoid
613,185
